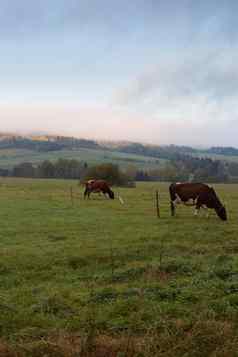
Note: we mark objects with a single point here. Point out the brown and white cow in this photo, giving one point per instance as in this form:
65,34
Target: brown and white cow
198,195
97,186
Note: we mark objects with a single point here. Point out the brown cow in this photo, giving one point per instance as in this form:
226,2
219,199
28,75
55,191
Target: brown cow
98,186
198,195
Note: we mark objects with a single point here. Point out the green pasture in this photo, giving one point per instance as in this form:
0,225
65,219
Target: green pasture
78,277
13,157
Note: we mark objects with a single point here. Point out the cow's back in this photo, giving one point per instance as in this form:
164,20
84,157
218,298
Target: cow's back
99,185
188,190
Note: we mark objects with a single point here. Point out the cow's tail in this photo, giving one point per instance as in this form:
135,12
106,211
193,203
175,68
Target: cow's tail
172,193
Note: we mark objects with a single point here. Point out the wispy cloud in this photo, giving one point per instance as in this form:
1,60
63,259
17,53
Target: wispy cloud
197,85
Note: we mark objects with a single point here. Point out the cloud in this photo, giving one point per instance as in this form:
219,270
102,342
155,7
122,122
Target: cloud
192,88
213,72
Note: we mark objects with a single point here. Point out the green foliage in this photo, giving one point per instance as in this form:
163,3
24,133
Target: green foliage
109,172
62,168
204,170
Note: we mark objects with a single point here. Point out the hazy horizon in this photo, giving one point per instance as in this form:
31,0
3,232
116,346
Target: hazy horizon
149,71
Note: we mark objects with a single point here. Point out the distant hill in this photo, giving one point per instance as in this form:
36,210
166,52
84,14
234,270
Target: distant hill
148,162
53,146
227,151
44,142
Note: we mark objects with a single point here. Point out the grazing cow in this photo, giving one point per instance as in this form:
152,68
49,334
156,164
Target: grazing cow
98,186
198,195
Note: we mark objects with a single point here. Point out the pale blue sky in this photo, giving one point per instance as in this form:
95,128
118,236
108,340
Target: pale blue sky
153,71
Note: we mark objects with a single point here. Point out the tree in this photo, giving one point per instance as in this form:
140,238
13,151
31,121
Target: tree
25,169
46,169
108,172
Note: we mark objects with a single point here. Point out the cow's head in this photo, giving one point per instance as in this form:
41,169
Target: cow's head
221,212
218,206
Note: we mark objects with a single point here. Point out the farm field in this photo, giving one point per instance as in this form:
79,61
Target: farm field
12,157
98,278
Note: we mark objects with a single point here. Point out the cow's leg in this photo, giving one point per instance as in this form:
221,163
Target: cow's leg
172,208
207,211
105,195
172,193
197,206
85,193
196,211
174,203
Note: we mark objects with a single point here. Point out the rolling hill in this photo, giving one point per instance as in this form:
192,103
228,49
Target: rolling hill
15,149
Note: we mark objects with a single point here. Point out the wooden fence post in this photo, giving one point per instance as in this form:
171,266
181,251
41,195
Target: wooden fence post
112,261
71,195
157,203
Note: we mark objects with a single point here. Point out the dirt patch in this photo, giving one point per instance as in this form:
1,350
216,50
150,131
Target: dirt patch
157,274
172,338
6,351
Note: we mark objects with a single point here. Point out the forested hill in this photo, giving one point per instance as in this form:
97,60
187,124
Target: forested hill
45,143
172,151
22,156
55,143
227,151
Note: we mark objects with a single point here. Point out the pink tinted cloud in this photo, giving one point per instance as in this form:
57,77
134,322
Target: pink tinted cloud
114,124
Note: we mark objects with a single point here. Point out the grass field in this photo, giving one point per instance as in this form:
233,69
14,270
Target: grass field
12,157
97,278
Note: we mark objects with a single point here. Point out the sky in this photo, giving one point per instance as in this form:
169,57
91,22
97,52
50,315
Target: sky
154,71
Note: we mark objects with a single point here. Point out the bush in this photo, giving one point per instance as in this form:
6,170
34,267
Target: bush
109,172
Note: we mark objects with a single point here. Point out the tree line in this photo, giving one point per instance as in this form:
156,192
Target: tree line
189,168
70,169
49,144
181,169
62,168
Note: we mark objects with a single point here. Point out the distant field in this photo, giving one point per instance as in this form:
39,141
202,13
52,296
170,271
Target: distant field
11,157
98,278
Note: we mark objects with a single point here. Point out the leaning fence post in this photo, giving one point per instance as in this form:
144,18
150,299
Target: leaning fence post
157,203
112,261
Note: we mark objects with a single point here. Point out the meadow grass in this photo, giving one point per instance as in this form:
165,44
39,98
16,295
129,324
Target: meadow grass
97,278
13,157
